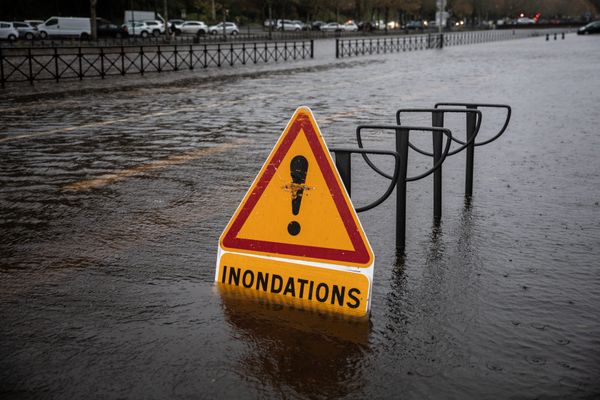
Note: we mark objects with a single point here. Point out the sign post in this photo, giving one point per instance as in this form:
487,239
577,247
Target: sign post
296,237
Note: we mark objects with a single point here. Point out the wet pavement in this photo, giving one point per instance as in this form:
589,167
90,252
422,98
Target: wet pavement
112,202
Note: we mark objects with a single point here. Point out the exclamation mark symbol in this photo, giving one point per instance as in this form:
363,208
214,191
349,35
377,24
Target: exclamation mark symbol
298,170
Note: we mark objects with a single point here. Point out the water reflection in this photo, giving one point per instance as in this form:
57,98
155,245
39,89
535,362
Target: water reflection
313,354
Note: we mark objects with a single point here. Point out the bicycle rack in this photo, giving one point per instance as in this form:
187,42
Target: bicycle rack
473,118
344,166
400,177
471,147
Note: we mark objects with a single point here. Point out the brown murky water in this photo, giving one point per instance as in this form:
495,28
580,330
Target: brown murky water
112,202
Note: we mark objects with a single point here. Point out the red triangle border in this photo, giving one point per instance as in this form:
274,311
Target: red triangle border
360,255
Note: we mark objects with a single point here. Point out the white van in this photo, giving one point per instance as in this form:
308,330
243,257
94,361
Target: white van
65,27
141,16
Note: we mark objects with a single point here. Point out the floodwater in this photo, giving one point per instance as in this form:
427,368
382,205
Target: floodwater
112,202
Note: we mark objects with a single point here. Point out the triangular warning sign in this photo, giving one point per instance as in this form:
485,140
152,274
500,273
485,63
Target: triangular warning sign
297,207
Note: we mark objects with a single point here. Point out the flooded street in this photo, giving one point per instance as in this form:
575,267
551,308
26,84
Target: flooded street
112,202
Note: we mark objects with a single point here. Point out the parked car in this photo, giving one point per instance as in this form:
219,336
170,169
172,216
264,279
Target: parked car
26,31
332,27
270,23
592,27
413,26
156,26
138,29
65,27
301,24
525,21
34,22
230,28
197,28
8,31
175,24
316,25
350,27
105,28
287,25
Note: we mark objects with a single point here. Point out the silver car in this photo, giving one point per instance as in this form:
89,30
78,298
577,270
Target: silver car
287,25
197,28
138,29
332,27
26,31
8,31
230,28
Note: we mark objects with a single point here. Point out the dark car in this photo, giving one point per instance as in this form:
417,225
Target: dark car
414,26
316,25
107,29
592,27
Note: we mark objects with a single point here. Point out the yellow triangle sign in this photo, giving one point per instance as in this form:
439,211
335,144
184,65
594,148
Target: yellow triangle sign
298,211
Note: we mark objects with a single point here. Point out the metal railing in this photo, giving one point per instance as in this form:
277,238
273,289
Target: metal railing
382,45
399,178
62,63
395,44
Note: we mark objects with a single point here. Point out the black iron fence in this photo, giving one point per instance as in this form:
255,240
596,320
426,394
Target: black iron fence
364,46
391,44
62,63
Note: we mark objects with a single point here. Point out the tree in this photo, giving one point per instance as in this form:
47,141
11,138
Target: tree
93,21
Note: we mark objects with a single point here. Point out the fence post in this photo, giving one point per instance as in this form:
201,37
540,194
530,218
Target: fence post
266,52
191,57
218,54
231,54
102,72
56,63
175,54
342,163
441,40
205,56
312,48
158,54
122,60
79,55
337,48
142,60
471,117
29,56
402,150
244,53
254,51
437,120
1,68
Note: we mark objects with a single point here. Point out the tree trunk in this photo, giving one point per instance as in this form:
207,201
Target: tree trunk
93,21
166,17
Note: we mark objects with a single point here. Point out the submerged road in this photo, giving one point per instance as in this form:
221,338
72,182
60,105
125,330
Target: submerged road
112,202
